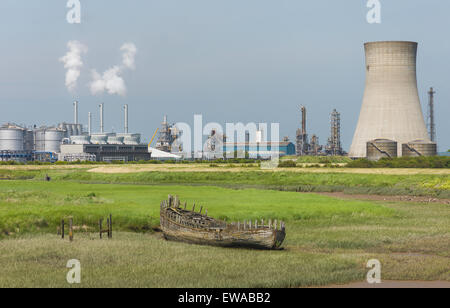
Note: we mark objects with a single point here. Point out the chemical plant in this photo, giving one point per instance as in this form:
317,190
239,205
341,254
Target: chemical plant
69,142
391,124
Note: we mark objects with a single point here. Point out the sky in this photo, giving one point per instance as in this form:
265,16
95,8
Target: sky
229,60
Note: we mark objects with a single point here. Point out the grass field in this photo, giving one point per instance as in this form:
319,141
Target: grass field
328,240
421,182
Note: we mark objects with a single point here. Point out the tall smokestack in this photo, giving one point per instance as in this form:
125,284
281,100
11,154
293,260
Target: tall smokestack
126,119
90,123
102,128
391,106
303,109
75,112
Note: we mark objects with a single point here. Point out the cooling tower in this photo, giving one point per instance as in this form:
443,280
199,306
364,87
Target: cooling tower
391,106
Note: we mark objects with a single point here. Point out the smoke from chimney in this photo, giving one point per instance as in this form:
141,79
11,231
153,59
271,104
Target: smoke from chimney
111,81
72,63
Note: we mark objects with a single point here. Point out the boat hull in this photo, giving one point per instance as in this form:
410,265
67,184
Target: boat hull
229,236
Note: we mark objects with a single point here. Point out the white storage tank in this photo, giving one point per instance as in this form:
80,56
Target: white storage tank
11,138
48,139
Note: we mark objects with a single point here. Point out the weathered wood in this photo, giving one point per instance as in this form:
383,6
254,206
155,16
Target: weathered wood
62,229
110,226
71,229
193,227
100,222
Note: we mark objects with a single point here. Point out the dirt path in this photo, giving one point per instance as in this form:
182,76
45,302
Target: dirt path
342,195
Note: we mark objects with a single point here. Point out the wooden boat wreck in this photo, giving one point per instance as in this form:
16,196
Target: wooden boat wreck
183,225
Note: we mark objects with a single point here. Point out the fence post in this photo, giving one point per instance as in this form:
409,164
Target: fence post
62,229
100,223
110,226
71,229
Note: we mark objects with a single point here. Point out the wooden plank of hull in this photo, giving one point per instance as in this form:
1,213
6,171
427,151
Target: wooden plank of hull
262,238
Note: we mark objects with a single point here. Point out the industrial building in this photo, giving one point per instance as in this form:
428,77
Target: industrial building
69,142
104,152
391,111
217,147
304,146
168,135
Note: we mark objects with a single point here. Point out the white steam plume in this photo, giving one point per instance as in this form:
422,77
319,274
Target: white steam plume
111,81
72,62
129,53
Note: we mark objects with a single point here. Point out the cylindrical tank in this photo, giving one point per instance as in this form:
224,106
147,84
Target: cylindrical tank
391,106
99,138
28,140
381,148
115,140
83,139
11,138
48,139
419,148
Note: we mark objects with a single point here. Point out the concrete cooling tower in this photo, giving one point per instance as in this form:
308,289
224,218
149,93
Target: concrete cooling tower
391,107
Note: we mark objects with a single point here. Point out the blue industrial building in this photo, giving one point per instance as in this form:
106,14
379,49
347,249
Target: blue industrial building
261,149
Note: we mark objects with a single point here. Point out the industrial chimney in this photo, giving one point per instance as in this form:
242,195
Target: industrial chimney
75,112
102,128
126,119
391,106
90,123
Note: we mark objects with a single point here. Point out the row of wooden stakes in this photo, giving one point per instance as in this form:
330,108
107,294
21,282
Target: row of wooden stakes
249,225
175,203
60,230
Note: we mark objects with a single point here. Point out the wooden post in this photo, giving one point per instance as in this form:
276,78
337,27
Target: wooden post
62,229
262,223
185,205
206,212
256,224
245,225
239,225
110,226
270,223
275,225
107,225
193,208
100,223
250,224
71,229
201,209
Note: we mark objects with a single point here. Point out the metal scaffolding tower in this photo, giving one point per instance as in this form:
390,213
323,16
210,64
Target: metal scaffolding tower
431,125
334,143
302,146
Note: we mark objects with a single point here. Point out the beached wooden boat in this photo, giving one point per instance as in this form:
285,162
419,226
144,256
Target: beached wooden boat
183,225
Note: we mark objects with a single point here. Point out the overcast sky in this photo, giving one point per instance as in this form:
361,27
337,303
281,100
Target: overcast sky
230,60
